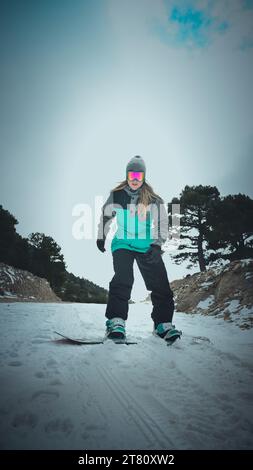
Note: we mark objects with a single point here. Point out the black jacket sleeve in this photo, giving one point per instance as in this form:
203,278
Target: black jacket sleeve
106,217
160,219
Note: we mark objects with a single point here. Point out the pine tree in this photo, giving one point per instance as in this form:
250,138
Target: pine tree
8,236
231,234
195,204
47,260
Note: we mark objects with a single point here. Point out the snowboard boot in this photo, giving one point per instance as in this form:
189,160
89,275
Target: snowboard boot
167,331
115,328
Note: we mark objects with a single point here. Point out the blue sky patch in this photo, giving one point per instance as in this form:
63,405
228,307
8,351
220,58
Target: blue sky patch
192,25
188,25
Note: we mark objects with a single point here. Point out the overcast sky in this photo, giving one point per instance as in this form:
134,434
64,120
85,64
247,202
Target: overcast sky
87,84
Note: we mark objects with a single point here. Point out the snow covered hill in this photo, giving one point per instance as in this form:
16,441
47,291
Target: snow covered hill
20,285
196,394
225,292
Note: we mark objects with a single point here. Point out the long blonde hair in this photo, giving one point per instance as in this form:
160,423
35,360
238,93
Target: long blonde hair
147,196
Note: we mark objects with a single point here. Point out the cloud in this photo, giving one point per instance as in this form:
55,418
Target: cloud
196,24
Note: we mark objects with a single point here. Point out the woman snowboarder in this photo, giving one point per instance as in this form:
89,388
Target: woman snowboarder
142,226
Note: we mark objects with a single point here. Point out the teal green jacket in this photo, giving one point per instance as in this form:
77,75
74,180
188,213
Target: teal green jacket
132,231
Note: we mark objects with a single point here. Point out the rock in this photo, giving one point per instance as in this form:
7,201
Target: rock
226,292
19,285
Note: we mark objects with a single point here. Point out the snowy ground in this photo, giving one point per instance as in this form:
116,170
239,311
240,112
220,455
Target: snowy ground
196,394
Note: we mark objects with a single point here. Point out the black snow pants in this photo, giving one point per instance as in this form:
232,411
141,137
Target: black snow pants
156,280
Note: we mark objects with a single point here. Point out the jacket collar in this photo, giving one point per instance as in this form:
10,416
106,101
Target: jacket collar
132,192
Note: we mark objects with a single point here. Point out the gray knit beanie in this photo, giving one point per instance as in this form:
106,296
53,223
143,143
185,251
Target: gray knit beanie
136,164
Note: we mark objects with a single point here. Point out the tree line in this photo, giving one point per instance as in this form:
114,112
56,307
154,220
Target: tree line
42,256
213,229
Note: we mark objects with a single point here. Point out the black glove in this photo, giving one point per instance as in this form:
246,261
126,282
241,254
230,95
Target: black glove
101,244
153,254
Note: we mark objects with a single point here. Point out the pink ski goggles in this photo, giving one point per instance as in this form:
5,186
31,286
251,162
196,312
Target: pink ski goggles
135,175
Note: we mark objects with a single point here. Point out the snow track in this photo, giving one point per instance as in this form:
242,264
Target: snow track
152,433
195,394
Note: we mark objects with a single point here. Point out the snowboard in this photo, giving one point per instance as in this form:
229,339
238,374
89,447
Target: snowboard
87,342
